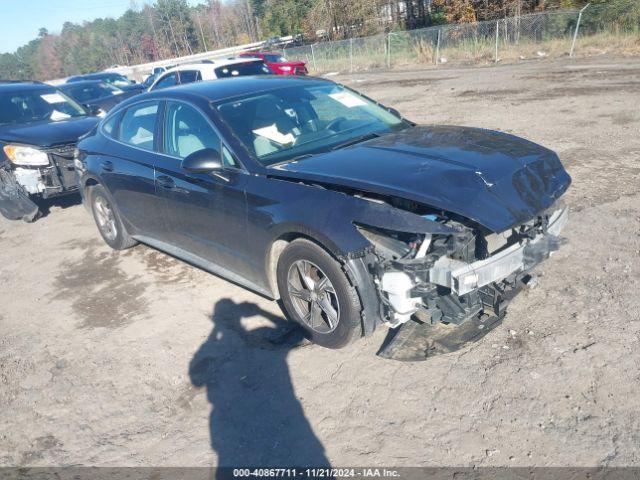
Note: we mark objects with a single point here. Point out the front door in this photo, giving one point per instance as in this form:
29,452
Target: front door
207,212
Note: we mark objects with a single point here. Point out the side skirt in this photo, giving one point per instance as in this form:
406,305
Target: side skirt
206,265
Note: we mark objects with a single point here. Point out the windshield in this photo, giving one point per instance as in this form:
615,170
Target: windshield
295,121
117,80
35,105
87,93
275,58
244,68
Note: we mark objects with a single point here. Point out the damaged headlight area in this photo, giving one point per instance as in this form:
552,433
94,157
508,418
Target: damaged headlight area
26,156
458,276
29,172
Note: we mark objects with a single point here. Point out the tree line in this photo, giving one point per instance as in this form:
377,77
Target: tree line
171,28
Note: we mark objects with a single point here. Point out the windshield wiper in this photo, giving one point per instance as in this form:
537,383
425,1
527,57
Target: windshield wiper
360,139
290,160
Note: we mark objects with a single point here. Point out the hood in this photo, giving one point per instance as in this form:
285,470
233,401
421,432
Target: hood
107,103
135,87
47,134
495,179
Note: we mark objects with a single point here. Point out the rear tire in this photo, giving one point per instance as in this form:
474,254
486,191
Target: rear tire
316,293
108,220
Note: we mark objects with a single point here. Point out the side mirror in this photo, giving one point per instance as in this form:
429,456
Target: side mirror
92,110
203,161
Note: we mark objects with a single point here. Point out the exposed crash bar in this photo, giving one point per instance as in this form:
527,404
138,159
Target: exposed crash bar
462,277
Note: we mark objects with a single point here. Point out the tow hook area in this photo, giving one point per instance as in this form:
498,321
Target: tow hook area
15,203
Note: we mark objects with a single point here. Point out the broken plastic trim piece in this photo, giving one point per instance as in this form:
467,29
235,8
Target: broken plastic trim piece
15,203
390,218
415,342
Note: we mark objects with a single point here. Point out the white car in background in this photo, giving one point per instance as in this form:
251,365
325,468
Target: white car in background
196,72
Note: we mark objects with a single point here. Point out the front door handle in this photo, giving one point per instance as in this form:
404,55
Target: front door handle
107,166
165,182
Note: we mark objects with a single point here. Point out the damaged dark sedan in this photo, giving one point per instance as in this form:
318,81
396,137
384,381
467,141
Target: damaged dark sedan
308,192
39,129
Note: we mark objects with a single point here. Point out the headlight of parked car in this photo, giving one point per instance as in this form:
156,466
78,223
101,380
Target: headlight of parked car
20,155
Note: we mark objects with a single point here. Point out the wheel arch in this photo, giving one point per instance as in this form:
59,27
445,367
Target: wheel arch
282,238
86,183
90,181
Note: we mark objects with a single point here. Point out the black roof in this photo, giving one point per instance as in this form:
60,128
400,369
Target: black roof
223,88
90,76
80,83
3,80
22,86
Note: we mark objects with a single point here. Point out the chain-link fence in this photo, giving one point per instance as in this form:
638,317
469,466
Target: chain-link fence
552,33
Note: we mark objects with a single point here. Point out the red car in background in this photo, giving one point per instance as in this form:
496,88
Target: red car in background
278,63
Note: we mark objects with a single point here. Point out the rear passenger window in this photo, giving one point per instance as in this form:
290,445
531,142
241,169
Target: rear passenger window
110,124
138,125
190,76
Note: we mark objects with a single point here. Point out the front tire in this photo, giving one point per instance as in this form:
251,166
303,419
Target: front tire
108,220
316,293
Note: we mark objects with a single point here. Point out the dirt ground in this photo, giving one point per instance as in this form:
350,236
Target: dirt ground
130,359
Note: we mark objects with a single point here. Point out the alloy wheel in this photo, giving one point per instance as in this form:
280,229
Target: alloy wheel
313,296
106,218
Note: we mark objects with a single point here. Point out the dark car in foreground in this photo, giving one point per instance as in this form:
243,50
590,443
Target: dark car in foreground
308,192
96,96
39,129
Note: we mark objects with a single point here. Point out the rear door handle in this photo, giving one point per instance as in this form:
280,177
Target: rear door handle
107,166
165,182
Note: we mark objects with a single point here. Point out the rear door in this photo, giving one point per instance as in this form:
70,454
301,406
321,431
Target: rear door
207,212
128,169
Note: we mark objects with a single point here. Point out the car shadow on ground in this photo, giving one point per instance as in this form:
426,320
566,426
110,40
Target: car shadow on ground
256,419
63,202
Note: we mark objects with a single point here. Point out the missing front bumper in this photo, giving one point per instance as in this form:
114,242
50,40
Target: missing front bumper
420,340
20,184
463,278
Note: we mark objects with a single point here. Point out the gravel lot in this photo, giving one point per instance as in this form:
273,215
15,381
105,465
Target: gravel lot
134,358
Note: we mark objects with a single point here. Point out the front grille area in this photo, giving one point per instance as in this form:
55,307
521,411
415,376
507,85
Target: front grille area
65,151
61,157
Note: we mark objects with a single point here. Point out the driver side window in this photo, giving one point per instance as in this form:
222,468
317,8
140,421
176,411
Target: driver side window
186,131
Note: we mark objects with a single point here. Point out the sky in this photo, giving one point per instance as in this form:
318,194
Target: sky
21,19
